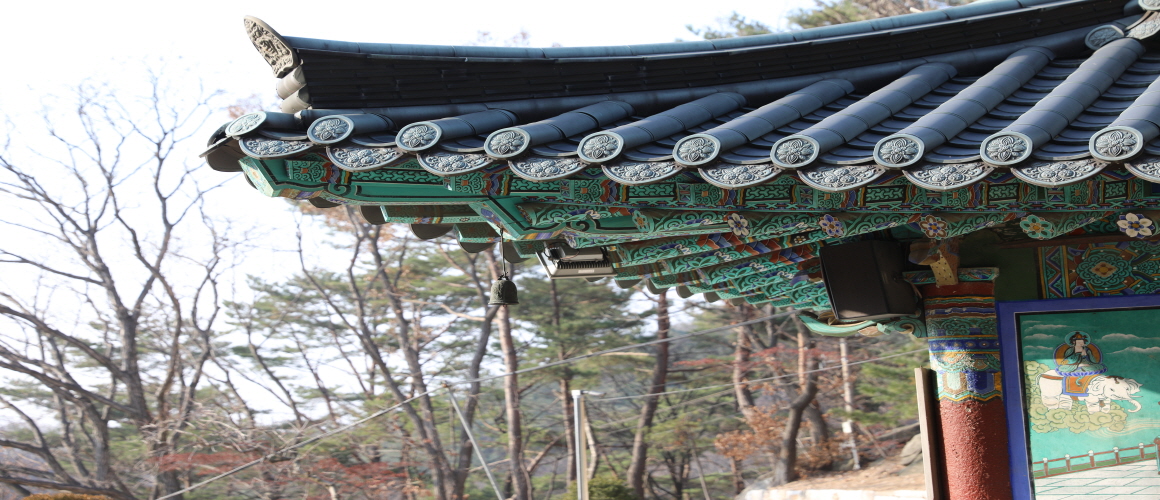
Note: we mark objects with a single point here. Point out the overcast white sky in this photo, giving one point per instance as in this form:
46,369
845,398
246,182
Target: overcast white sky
49,44
52,46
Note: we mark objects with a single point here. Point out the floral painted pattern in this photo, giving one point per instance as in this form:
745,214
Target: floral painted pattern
1036,227
738,224
1105,271
833,227
933,227
1135,226
641,221
305,171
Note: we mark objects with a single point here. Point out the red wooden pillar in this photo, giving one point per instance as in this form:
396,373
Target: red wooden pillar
964,353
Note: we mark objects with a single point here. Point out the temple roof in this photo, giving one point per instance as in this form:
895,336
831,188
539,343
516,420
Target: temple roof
993,109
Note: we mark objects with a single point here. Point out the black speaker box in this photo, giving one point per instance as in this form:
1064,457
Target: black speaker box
864,280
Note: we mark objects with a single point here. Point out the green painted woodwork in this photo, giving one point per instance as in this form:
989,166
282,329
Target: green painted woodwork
431,214
528,248
476,233
730,242
397,185
833,330
1044,226
965,274
772,279
650,221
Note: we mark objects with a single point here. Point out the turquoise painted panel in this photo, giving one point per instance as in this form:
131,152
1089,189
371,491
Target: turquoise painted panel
1092,392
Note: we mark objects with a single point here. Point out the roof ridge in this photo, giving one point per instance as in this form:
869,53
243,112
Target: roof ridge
973,10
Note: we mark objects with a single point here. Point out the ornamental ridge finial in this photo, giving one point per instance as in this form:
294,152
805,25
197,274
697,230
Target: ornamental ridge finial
271,46
1149,24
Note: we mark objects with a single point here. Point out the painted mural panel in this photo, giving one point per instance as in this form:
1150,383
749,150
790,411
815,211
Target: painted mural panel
1092,397
1117,268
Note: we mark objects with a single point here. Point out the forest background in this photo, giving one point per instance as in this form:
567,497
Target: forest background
141,353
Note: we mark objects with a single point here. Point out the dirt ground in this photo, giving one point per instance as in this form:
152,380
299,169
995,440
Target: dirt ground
884,475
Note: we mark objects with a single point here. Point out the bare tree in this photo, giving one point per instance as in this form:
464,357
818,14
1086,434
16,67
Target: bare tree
636,468
110,319
784,470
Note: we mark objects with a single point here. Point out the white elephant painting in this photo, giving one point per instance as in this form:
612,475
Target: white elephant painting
1101,391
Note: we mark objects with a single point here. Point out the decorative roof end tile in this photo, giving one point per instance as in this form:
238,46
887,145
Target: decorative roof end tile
1116,143
1006,148
696,150
898,151
419,136
795,151
506,143
600,147
330,129
1100,36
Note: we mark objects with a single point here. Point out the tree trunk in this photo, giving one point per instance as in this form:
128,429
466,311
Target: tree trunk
819,430
511,388
741,353
648,411
565,389
785,469
425,424
738,479
466,450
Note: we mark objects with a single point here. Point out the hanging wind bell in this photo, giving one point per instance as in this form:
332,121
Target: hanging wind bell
503,291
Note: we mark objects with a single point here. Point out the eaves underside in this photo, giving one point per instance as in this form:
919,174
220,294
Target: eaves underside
722,171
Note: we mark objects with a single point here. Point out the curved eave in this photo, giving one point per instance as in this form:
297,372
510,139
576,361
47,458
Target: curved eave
348,75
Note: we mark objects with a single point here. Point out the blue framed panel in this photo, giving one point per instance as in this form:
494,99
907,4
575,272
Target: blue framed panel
1014,387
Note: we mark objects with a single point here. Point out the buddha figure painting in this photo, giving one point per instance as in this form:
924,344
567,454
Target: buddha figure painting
1090,390
1079,377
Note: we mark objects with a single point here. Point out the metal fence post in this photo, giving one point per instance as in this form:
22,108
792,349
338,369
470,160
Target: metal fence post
581,448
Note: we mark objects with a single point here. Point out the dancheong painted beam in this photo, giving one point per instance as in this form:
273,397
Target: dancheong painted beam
720,167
